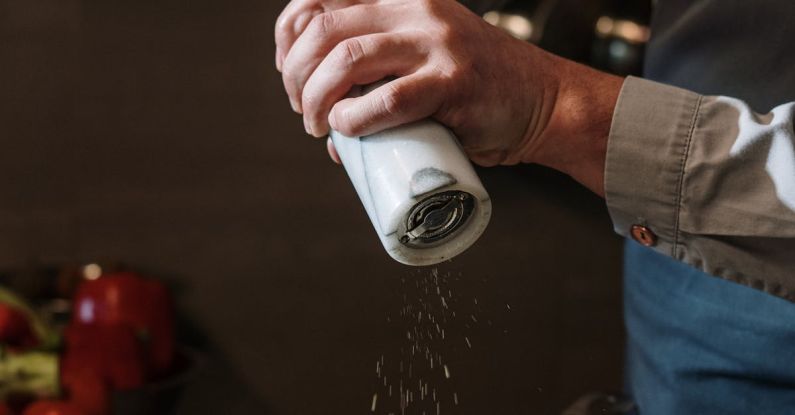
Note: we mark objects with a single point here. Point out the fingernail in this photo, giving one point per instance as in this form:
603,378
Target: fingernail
308,128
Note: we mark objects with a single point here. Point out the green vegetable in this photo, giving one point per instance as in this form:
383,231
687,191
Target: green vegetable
48,337
29,373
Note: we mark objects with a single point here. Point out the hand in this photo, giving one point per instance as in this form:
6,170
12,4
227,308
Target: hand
501,97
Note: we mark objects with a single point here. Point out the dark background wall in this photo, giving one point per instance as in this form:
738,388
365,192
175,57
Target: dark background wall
157,133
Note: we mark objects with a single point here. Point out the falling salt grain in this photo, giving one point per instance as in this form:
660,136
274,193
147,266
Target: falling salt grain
375,399
455,398
468,343
446,372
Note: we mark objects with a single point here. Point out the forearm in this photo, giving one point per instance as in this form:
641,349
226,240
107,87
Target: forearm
574,140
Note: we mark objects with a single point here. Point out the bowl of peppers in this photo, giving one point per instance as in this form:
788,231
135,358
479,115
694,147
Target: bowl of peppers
116,354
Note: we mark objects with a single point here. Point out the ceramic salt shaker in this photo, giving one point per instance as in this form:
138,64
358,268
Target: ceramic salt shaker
419,189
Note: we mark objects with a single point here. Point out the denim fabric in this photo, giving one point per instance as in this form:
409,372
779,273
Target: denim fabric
697,344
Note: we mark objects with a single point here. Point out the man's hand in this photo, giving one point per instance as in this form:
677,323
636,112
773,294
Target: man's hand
506,101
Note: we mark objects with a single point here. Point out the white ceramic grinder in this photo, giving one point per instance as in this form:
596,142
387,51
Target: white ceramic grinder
420,191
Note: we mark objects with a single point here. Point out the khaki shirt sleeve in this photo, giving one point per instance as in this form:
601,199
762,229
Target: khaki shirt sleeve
714,181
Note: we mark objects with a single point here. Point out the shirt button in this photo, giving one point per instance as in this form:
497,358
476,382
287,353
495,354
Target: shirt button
643,235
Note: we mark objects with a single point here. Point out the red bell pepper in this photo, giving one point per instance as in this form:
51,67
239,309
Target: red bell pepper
87,390
112,351
53,408
20,327
15,330
143,304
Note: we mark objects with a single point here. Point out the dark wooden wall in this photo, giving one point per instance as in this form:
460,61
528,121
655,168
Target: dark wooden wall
157,133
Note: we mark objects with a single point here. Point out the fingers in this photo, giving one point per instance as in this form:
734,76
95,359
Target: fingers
322,34
356,61
291,23
332,151
401,101
294,19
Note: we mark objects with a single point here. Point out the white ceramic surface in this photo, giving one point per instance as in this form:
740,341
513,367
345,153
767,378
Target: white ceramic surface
395,169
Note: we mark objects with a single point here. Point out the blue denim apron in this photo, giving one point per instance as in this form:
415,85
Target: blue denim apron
701,345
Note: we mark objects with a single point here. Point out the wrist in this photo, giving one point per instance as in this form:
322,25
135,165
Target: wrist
574,138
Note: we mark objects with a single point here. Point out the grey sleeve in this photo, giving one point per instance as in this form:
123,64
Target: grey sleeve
711,179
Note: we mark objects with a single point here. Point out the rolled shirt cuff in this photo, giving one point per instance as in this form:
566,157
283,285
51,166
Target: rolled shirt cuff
647,151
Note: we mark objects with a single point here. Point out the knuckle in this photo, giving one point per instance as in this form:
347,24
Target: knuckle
323,24
437,10
455,73
393,100
350,52
282,23
282,32
448,34
429,6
